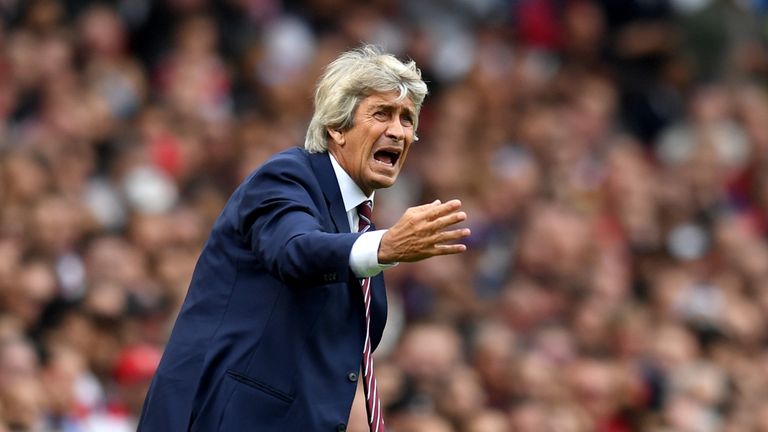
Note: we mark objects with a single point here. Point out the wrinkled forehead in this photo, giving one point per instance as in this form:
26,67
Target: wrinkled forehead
393,100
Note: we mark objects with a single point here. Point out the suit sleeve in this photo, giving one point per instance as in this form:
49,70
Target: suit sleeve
282,222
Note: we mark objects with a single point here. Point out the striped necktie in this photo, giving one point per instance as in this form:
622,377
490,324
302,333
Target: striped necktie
372,401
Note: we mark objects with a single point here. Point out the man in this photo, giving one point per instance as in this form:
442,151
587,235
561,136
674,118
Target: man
287,301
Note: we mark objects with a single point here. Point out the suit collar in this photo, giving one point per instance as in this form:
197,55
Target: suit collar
350,191
321,165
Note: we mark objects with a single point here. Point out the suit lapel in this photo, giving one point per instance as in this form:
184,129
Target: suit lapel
321,165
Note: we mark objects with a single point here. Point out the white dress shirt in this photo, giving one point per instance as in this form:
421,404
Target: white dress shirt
363,259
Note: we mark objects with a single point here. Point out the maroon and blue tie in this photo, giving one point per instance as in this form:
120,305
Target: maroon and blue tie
372,400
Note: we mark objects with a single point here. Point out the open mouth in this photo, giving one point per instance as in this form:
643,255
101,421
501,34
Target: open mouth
387,156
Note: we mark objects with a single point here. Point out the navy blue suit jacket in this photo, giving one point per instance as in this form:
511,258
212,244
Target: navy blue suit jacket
271,333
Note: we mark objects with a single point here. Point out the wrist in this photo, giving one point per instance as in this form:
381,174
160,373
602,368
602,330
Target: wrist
383,254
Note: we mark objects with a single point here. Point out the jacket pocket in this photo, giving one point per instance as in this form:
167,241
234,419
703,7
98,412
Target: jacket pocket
250,382
252,406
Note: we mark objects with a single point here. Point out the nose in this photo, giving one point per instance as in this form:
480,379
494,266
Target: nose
395,130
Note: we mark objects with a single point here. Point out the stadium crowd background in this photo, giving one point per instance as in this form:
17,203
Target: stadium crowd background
612,156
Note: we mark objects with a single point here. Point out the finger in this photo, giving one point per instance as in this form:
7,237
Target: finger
443,209
427,206
449,236
448,220
448,249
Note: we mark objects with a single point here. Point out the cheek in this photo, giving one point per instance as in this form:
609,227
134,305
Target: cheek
404,156
366,152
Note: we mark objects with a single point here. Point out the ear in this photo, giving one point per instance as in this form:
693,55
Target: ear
336,135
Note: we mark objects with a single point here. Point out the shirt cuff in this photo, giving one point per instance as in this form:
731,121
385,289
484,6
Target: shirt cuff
364,257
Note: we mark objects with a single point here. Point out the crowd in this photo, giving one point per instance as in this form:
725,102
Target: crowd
612,157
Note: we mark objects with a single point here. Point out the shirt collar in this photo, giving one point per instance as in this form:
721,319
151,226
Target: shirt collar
350,191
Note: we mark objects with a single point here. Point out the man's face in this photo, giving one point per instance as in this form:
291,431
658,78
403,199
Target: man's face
373,151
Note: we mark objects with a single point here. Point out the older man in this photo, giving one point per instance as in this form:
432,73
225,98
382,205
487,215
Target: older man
287,302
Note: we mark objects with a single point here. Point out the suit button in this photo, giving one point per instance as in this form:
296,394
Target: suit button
341,427
352,377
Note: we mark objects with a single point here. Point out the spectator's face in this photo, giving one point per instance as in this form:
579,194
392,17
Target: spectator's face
556,242
761,420
102,31
24,405
35,287
429,352
18,362
373,151
594,384
60,376
528,417
462,395
488,421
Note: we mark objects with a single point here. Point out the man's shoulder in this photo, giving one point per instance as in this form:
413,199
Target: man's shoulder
294,163
292,155
287,172
292,159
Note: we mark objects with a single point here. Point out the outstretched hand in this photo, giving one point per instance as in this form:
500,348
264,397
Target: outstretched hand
422,233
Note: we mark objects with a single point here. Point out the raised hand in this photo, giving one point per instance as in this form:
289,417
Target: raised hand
422,233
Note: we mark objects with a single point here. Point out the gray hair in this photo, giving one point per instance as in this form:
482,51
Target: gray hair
353,76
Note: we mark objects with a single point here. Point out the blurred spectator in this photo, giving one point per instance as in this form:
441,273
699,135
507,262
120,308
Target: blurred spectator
612,157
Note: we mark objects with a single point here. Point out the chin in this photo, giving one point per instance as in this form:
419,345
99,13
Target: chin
382,178
382,183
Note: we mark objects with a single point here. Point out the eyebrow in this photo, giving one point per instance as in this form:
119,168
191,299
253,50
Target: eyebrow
391,107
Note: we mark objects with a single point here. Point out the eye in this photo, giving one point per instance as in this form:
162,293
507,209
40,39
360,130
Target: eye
406,120
381,115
